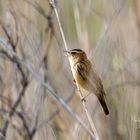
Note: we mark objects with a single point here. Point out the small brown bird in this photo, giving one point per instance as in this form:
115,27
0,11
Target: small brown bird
85,75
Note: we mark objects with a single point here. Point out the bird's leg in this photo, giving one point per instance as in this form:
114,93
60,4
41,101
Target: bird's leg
84,98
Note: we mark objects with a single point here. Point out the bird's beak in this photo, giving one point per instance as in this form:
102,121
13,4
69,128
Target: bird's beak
68,52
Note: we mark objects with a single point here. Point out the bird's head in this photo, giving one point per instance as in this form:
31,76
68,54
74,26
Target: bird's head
76,55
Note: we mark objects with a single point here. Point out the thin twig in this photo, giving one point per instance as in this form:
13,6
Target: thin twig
18,100
52,3
88,114
77,20
54,113
24,80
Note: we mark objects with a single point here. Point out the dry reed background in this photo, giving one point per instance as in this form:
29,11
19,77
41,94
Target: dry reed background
31,53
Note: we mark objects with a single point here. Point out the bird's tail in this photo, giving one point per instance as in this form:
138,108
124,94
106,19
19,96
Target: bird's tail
103,104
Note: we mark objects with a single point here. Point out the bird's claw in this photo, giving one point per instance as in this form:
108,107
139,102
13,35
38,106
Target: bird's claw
83,99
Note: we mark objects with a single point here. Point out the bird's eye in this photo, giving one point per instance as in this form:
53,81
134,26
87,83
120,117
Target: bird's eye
73,53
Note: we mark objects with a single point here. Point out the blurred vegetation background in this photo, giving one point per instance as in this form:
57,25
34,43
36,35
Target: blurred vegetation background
109,32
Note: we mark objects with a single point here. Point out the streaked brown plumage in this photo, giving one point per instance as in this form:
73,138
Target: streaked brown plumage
85,75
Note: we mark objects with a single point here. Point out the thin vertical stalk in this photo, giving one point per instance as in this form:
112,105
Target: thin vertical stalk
80,93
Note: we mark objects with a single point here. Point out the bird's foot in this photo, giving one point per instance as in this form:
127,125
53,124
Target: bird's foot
83,99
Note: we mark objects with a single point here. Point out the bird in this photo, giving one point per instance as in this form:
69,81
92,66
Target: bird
85,76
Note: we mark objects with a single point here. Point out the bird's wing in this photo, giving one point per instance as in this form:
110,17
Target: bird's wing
82,70
97,82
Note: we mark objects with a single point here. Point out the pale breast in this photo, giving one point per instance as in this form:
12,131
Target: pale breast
81,82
